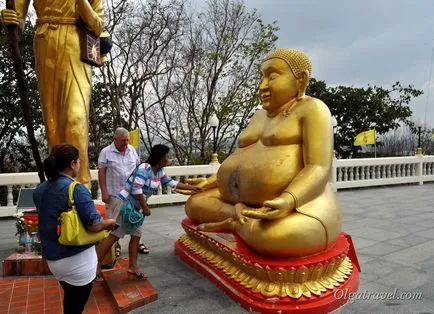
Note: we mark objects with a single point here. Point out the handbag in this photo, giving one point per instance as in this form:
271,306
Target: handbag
131,218
72,230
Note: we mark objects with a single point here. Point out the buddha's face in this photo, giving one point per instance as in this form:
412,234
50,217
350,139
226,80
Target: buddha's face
278,84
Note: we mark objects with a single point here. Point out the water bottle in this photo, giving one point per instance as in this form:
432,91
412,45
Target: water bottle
28,243
34,240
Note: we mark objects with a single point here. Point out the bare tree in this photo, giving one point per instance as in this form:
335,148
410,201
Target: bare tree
222,49
142,33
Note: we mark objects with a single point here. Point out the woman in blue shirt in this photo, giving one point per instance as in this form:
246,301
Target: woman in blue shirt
142,183
74,266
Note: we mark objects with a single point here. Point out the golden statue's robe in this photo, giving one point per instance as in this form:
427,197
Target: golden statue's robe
64,81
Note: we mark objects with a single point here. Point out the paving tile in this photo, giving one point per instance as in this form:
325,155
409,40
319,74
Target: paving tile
380,249
406,278
409,240
383,235
398,217
413,255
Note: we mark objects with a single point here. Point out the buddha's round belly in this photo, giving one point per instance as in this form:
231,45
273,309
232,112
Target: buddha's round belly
258,173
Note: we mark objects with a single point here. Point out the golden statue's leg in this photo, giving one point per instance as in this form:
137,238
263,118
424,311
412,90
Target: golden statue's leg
293,236
207,207
64,84
77,125
313,228
46,60
225,225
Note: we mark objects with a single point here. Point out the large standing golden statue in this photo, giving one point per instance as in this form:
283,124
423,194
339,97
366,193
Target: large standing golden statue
64,81
274,189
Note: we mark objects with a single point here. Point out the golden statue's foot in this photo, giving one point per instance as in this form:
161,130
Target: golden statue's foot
225,225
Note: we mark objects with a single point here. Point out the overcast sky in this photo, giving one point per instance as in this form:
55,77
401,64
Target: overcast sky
361,42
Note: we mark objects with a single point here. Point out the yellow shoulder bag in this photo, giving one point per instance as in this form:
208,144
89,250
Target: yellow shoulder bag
72,230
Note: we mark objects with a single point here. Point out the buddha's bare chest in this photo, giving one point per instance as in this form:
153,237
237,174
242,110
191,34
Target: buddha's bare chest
284,129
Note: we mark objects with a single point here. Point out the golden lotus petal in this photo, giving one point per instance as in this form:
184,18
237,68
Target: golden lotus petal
289,275
301,275
269,273
326,283
282,290
258,287
252,282
280,275
293,290
317,272
338,277
314,287
305,291
270,289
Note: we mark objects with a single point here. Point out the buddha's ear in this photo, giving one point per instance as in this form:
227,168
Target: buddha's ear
302,81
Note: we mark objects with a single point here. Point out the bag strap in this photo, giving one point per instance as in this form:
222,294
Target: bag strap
134,173
71,188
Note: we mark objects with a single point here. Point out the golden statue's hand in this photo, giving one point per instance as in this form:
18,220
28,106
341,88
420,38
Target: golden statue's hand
10,17
194,190
276,208
240,208
194,185
202,184
197,182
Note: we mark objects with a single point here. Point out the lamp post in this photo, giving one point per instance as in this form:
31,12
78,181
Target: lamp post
213,123
335,128
419,132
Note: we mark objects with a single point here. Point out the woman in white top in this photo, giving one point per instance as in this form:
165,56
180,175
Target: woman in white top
74,266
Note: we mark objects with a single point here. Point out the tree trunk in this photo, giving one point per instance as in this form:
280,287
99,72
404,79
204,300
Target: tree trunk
23,91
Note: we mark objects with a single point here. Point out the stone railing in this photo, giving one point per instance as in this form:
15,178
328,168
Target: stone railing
347,173
367,172
30,179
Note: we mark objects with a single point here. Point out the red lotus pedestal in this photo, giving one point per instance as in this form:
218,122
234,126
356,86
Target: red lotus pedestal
315,284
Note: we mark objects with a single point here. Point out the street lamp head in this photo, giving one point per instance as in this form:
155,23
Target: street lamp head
213,121
419,124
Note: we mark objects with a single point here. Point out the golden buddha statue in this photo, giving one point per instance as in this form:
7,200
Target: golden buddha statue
274,190
64,81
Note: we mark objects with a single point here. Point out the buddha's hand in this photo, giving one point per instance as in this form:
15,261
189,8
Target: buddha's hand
277,208
202,184
10,17
240,208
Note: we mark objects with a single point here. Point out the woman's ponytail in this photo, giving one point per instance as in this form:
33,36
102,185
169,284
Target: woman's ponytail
59,160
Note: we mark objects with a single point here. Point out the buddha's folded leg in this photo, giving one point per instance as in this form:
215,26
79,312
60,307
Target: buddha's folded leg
312,228
293,236
207,207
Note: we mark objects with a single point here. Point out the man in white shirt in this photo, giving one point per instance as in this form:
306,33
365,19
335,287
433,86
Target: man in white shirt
116,162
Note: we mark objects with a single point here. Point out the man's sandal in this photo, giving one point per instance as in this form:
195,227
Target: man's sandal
143,249
118,250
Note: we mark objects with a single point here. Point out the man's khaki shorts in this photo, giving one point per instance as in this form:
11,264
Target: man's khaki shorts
113,212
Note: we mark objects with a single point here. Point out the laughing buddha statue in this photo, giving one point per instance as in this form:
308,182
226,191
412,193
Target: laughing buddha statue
274,190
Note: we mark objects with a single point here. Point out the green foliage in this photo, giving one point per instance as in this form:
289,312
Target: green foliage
358,109
15,151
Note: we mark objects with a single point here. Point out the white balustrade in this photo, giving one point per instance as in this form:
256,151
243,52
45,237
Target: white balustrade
10,197
346,173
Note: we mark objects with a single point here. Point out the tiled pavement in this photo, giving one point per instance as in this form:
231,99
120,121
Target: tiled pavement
35,295
392,228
